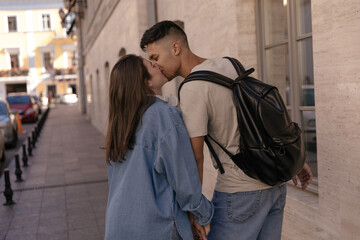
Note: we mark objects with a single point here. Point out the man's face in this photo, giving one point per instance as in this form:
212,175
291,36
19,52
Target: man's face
161,54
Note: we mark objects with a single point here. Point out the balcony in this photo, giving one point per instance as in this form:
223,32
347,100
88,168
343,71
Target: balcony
65,71
14,72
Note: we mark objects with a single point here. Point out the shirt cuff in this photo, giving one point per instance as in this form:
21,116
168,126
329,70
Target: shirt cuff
204,213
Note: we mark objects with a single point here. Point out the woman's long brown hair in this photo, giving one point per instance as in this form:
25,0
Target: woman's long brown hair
128,100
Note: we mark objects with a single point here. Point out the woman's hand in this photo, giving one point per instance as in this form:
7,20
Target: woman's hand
199,232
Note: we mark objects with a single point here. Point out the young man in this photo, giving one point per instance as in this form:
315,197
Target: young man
244,207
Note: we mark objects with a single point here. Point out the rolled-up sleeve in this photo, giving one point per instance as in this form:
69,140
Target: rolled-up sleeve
176,160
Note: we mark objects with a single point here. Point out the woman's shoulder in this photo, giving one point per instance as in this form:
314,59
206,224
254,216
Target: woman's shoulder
163,112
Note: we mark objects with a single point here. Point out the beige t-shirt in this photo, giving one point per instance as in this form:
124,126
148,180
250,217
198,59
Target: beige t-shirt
208,108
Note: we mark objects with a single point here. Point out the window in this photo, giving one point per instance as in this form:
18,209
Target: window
107,75
122,52
48,62
12,24
14,61
287,62
71,59
46,21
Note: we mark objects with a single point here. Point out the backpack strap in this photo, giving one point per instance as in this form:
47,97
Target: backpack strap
207,76
224,81
237,65
224,149
240,68
213,153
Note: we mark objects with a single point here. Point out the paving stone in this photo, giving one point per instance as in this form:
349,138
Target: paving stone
84,233
22,234
53,236
56,226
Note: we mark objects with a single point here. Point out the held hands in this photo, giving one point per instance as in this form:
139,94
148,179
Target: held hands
199,232
305,177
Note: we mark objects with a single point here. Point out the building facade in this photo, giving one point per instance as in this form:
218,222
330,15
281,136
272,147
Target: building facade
309,49
36,55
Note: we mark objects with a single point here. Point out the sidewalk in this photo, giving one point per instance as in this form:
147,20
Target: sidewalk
64,192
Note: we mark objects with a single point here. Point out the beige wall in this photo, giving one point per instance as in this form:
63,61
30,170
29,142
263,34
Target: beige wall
125,26
336,34
221,28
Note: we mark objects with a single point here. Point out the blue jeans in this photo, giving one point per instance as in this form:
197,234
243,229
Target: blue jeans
252,215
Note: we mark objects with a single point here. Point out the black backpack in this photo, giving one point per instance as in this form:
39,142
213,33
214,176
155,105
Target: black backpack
271,145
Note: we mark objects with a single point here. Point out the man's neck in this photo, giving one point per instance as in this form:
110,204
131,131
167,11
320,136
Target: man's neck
188,62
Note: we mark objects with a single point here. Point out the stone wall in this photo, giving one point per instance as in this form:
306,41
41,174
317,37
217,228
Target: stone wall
228,28
123,28
336,34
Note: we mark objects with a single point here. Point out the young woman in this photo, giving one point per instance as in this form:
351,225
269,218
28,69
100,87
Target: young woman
153,178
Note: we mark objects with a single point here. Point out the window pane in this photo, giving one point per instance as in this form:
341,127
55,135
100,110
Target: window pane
303,11
309,136
275,21
72,59
48,64
14,61
12,24
306,71
277,70
46,21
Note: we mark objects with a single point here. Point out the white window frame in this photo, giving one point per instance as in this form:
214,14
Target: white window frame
9,51
51,49
295,105
6,25
68,48
41,26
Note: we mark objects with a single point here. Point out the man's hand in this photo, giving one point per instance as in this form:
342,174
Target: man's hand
199,232
305,177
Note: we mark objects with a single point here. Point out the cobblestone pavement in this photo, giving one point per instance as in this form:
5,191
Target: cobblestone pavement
64,192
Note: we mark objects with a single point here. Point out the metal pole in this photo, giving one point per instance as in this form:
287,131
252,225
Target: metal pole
18,171
24,157
81,57
8,192
29,146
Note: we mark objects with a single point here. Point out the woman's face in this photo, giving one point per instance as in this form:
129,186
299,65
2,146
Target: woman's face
157,78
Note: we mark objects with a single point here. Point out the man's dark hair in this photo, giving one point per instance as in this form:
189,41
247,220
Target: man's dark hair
158,31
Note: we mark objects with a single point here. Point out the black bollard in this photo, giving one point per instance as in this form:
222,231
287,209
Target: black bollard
18,171
33,139
35,133
24,156
8,192
29,147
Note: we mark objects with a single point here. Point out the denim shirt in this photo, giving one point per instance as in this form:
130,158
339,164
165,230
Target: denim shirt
152,190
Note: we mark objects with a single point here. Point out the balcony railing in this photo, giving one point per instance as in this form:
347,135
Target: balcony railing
65,71
25,72
14,72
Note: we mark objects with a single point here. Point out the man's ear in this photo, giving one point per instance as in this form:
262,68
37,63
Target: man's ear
175,48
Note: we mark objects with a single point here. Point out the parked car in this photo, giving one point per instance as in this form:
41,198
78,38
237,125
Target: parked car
38,102
2,146
25,105
8,124
69,98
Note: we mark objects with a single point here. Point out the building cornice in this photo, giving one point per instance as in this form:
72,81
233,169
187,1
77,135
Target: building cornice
98,22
